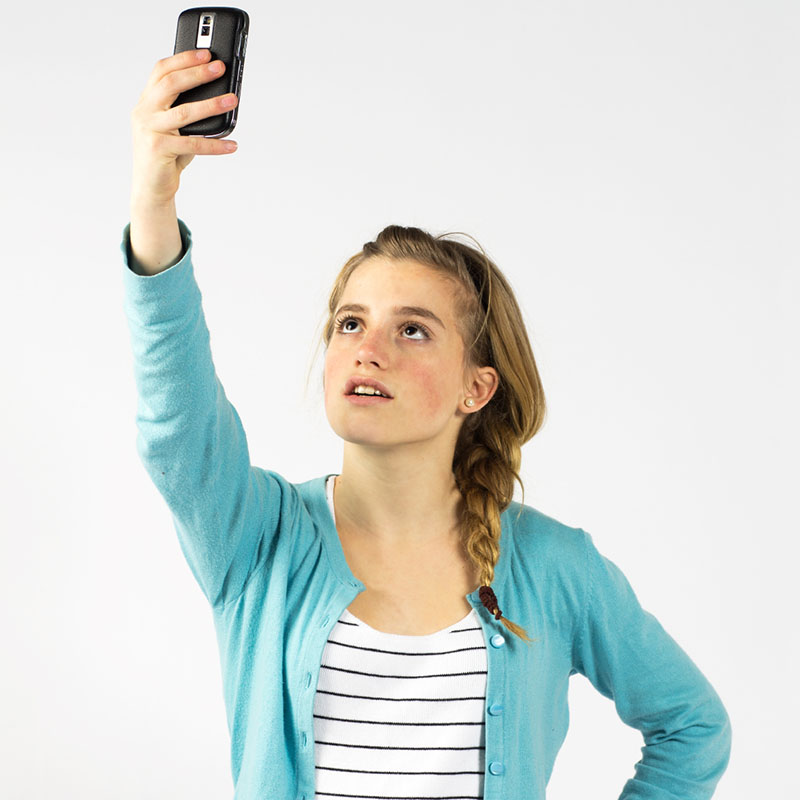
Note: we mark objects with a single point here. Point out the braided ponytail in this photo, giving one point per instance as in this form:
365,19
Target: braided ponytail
481,515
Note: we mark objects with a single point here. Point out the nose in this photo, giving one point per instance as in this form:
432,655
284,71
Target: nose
371,349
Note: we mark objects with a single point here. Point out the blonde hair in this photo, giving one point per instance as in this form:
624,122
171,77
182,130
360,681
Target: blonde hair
487,455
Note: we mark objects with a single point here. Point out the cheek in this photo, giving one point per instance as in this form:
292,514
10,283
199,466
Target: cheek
328,372
431,390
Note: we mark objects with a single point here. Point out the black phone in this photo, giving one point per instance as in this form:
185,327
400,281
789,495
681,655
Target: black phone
223,31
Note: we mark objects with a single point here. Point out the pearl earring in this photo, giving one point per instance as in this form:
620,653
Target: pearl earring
469,401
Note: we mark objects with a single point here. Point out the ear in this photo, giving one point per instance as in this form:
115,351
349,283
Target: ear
481,387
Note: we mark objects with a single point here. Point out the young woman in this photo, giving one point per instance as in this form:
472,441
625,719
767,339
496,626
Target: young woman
402,628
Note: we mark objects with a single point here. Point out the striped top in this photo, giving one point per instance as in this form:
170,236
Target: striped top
399,716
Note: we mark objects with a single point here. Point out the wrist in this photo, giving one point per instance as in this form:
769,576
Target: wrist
144,204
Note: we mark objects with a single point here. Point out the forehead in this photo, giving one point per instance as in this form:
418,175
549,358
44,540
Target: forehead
403,282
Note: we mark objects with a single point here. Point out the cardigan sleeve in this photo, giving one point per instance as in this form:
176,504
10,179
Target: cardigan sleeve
629,658
190,438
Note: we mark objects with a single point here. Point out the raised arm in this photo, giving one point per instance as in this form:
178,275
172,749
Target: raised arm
191,440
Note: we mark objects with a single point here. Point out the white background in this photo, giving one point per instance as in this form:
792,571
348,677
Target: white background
632,167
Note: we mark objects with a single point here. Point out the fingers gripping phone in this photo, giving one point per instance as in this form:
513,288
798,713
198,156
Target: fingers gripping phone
223,31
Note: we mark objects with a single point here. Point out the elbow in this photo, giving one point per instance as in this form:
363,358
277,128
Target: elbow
725,738
718,738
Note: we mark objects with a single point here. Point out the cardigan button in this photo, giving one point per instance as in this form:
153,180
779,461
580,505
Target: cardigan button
495,709
496,768
498,640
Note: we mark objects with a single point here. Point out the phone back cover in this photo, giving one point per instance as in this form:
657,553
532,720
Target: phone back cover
230,25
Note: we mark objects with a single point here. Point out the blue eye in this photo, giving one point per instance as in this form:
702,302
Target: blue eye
342,321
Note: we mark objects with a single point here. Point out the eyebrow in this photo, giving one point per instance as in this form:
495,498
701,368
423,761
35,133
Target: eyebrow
417,311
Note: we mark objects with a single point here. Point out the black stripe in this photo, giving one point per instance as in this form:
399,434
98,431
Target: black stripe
389,722
376,675
394,772
389,747
400,653
403,699
395,797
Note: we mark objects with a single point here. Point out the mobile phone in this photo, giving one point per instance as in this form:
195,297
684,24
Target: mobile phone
223,31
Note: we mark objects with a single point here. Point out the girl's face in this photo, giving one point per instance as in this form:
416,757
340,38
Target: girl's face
416,355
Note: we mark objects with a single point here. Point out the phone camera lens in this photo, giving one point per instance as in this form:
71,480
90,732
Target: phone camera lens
206,30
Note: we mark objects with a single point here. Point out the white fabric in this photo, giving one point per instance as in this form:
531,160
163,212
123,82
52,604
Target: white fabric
400,716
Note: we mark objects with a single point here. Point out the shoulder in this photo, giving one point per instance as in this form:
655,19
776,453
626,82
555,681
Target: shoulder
545,564
535,534
542,550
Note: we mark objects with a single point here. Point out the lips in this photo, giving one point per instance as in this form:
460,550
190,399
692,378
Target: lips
367,399
363,381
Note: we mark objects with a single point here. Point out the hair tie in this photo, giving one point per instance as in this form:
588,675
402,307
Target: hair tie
489,600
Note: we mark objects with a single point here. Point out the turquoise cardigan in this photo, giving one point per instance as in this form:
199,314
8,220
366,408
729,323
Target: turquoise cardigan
266,554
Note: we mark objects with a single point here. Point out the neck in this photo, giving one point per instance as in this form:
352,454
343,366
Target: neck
397,500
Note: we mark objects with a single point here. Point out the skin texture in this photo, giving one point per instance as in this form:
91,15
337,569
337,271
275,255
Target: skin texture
396,494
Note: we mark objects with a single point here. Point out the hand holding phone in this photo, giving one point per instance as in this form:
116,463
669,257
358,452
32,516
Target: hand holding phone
163,147
160,153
